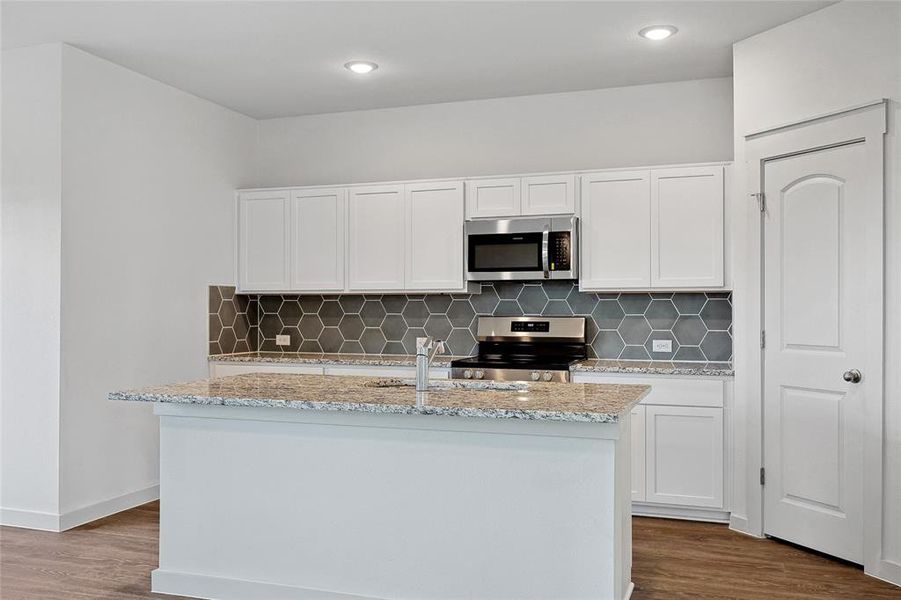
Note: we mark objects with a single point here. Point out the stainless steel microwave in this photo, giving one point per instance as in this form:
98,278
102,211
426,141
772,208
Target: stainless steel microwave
524,248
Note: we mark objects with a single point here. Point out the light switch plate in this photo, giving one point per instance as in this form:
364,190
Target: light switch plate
662,346
283,340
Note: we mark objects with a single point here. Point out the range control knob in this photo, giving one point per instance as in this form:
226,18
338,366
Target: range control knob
467,374
480,374
547,376
536,375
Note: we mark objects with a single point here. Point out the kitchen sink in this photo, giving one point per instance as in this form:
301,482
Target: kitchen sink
451,384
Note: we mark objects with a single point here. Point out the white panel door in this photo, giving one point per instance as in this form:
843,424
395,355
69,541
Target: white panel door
493,198
684,455
816,289
317,239
263,241
616,230
549,195
638,454
434,254
687,227
376,238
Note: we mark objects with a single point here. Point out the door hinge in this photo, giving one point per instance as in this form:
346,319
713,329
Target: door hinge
762,339
762,476
761,200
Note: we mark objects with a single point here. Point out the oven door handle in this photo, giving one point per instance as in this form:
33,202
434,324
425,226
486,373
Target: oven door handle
545,254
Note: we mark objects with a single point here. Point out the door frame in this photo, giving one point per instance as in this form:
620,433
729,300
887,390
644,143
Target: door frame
867,124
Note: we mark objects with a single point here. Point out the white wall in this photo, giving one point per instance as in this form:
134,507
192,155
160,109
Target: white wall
30,302
840,56
117,214
148,176
688,121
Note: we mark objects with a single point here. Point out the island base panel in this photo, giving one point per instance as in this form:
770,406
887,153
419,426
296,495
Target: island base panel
268,503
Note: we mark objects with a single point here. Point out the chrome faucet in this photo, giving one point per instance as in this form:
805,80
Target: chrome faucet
426,350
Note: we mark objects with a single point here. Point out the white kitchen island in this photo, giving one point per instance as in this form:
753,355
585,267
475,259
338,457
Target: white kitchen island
324,487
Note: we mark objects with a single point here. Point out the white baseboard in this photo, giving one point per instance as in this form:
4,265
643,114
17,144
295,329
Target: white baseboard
61,522
888,571
226,588
29,519
679,512
742,525
629,591
104,508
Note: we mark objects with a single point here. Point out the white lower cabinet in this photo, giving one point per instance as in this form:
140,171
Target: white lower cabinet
678,446
684,455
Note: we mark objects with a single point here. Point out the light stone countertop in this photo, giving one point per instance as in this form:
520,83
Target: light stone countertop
314,358
591,365
586,403
654,367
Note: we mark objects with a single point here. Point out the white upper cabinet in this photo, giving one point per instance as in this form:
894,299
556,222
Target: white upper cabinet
493,198
616,230
653,229
521,196
687,227
376,231
640,230
263,241
434,241
549,195
317,239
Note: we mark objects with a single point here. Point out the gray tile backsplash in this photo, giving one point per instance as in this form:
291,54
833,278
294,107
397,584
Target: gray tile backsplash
622,326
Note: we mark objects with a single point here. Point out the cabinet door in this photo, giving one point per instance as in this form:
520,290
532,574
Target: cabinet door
493,198
687,227
616,230
317,239
263,242
376,238
434,253
684,455
638,454
549,195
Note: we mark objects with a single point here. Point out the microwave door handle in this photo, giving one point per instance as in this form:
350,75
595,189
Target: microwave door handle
545,257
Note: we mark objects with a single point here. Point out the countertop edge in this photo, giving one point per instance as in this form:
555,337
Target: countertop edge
396,360
411,409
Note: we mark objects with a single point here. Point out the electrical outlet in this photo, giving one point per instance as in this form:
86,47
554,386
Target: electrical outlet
283,340
663,346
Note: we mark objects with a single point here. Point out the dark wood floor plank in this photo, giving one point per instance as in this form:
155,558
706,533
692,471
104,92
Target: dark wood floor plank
111,559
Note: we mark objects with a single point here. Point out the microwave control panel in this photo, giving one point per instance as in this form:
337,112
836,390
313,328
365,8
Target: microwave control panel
560,251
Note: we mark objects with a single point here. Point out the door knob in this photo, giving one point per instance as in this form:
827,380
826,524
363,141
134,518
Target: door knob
852,376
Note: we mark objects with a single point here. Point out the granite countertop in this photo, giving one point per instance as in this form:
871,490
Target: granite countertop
592,365
314,358
586,403
654,367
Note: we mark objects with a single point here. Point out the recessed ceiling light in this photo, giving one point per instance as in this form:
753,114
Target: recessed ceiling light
361,67
657,32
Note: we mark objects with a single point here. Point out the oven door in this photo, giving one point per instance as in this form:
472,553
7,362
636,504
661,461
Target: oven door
519,249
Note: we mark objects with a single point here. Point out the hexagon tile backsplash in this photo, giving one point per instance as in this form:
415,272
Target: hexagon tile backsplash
620,326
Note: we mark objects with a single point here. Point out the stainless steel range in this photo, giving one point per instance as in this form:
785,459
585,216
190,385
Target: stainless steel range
524,349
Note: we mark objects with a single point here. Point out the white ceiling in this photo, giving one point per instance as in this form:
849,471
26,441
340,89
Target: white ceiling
276,59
